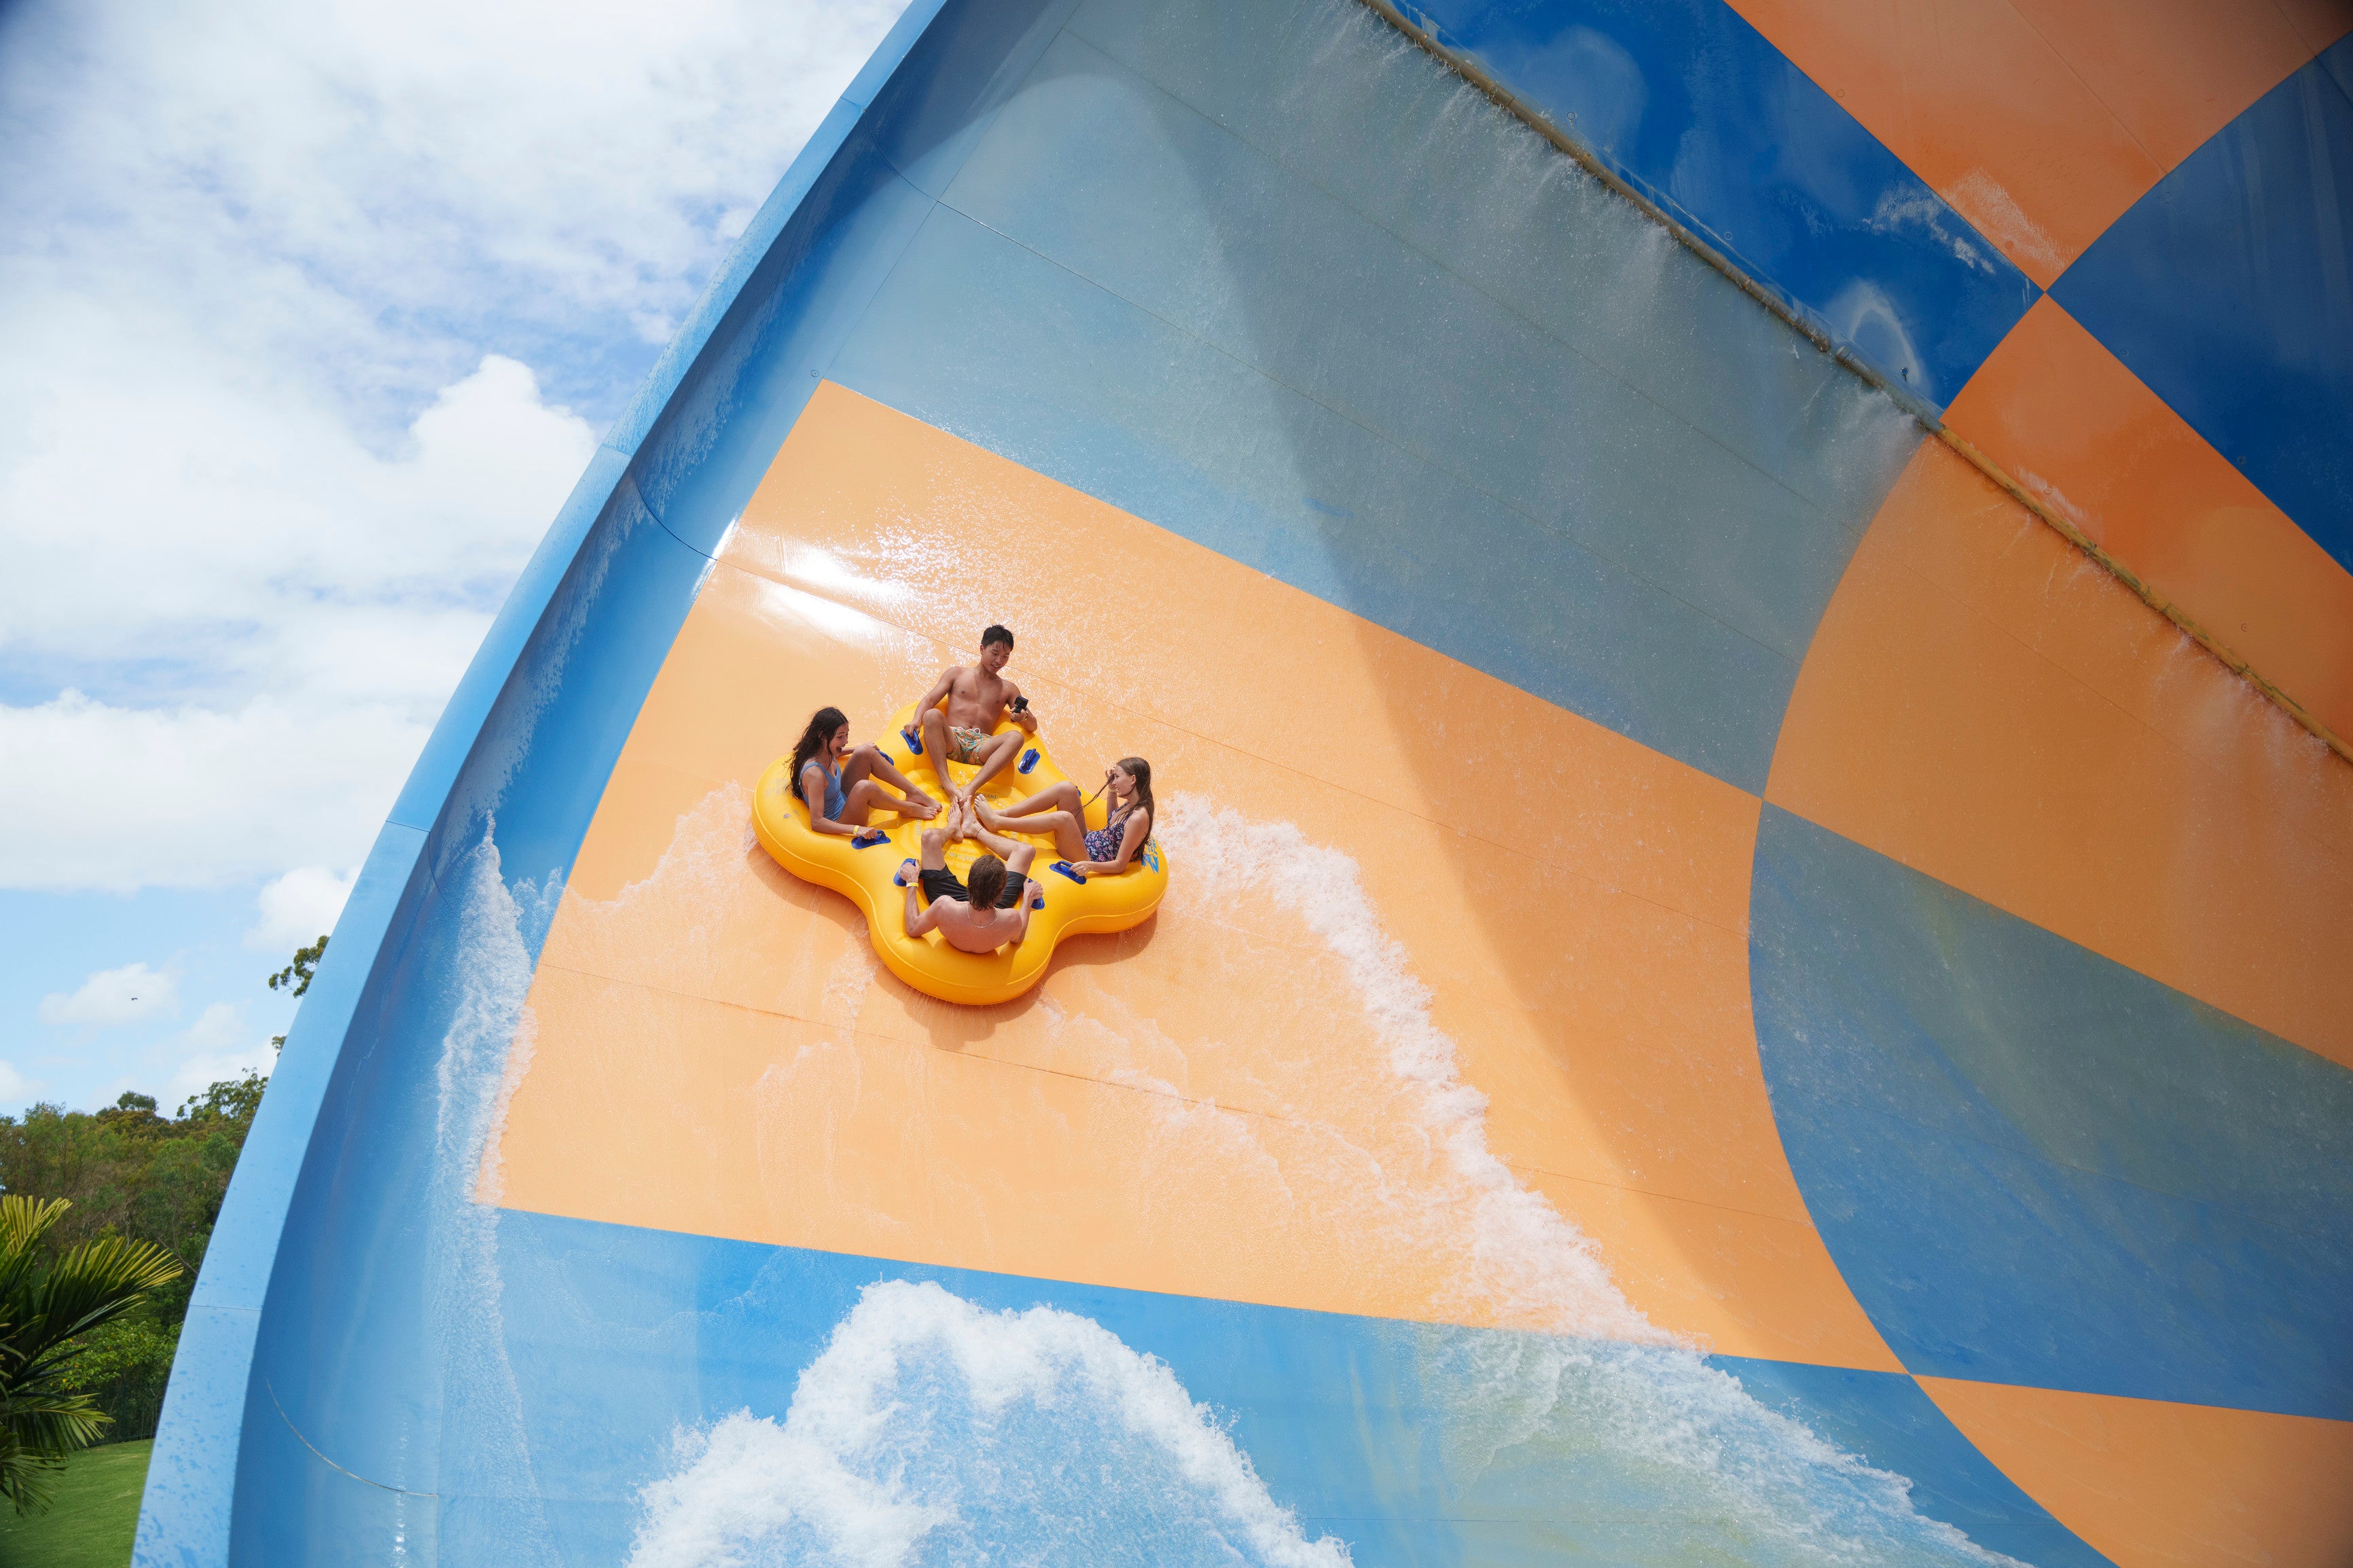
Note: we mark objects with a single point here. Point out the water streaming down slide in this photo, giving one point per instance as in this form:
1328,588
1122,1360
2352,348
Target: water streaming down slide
1725,995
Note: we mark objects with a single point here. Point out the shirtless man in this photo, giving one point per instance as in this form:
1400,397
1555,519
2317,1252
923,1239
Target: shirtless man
977,697
981,918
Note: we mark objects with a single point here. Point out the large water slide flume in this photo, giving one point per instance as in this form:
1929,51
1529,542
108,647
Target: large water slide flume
1628,1069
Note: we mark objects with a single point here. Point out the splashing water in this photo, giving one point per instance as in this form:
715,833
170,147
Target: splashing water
1602,1392
483,1053
931,1431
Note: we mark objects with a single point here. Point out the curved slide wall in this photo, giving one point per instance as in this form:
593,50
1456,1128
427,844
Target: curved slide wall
1725,996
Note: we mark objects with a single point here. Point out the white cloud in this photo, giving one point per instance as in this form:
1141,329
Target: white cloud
262,548
303,305
200,1072
218,1025
93,795
298,908
16,1089
113,996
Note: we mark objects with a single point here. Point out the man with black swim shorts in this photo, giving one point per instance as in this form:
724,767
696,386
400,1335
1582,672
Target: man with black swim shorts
988,914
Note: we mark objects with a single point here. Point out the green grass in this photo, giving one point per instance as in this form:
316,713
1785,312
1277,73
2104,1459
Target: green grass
96,1515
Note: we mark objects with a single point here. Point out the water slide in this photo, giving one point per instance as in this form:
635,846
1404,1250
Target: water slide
1740,612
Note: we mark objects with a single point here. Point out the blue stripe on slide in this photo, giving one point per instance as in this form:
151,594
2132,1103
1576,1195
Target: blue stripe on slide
2228,289
2037,1166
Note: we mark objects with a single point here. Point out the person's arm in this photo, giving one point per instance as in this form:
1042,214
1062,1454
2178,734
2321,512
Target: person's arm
813,792
1025,719
1021,916
919,918
1130,840
914,726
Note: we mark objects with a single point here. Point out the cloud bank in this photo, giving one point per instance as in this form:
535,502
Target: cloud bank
313,312
114,996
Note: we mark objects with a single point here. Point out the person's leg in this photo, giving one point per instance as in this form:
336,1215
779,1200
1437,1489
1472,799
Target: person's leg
1002,847
1069,831
932,874
868,795
995,755
1017,873
933,723
867,764
1063,796
1017,859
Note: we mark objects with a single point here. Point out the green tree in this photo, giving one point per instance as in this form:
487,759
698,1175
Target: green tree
296,976
49,1304
130,1172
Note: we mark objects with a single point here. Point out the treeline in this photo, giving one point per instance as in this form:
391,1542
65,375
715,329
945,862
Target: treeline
130,1171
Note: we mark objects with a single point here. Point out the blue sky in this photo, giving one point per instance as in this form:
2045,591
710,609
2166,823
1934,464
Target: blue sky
312,314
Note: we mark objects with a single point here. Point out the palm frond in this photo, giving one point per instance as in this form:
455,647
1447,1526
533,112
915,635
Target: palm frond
46,1303
23,1223
98,1280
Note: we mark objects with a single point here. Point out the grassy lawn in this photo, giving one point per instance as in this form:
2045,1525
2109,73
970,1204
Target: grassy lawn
96,1515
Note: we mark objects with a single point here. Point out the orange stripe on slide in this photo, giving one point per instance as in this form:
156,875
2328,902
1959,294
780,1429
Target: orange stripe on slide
2156,1485
2042,121
2066,418
1199,1106
1984,703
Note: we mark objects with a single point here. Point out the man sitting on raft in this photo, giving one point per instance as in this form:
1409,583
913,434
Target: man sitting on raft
977,698
980,917
843,786
1057,810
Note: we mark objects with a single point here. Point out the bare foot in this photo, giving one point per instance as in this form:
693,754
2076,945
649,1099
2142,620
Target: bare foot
920,804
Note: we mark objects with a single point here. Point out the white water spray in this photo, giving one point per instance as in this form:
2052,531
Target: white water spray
931,1431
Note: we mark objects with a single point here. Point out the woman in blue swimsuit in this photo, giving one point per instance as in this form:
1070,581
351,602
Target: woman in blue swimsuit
843,785
1058,809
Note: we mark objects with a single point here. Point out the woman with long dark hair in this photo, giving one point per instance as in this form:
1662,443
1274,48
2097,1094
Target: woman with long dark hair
843,783
1058,810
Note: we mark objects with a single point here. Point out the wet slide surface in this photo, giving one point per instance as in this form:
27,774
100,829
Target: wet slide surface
1723,998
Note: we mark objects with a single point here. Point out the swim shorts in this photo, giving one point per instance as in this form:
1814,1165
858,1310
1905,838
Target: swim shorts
946,884
965,744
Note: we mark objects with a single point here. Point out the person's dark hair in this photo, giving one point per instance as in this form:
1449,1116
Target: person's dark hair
996,634
985,882
1141,771
822,726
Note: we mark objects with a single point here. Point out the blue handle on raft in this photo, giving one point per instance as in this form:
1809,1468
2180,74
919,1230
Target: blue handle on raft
914,738
1064,867
899,878
1029,759
869,839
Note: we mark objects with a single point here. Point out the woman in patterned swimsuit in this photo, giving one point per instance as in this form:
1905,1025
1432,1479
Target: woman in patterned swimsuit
1058,810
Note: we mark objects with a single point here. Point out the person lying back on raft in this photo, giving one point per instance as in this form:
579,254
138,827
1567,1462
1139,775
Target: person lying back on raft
843,785
980,917
1057,809
978,697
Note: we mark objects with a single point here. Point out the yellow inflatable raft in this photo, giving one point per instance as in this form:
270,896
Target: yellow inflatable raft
927,962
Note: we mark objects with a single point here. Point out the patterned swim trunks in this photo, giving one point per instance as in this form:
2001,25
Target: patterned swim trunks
966,743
